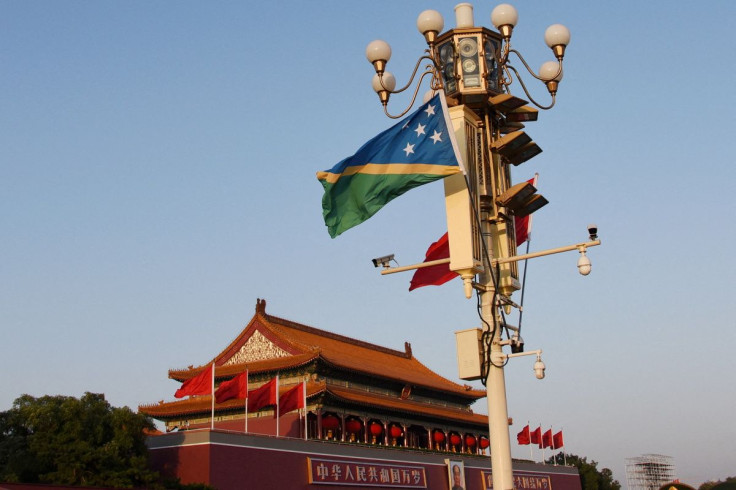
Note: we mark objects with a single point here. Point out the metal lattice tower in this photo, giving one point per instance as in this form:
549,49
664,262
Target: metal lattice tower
649,471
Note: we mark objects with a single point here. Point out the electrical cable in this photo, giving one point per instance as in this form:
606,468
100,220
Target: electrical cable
490,332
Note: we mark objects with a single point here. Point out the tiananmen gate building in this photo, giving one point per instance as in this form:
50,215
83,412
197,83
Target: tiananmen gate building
372,417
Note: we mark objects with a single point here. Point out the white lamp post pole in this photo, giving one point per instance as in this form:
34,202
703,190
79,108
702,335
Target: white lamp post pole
471,66
498,418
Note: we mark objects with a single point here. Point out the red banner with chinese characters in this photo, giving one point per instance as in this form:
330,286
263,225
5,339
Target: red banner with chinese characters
365,473
522,481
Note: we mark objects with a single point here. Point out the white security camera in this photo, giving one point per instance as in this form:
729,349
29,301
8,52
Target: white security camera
584,265
383,261
539,368
593,231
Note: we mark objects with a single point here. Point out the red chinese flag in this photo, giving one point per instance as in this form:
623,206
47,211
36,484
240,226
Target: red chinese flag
434,275
198,385
522,226
233,388
535,437
557,440
292,399
547,439
262,397
523,437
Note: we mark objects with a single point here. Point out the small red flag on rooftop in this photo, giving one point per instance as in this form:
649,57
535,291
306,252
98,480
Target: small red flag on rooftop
535,437
557,442
263,396
233,388
201,384
292,399
547,439
523,437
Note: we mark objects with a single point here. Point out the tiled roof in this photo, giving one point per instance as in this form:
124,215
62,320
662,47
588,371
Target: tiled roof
370,359
307,343
230,370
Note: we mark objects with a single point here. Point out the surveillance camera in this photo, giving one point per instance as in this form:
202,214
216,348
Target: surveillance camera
539,368
593,231
584,265
383,261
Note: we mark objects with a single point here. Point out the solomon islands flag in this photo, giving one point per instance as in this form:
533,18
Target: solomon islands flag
419,149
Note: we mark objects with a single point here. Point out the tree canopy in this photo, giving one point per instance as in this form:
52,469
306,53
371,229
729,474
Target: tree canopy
727,484
590,477
74,441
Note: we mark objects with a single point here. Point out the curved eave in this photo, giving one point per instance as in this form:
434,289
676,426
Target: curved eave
202,405
374,401
226,372
449,387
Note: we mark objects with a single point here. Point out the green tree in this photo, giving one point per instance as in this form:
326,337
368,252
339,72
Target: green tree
727,484
590,477
69,441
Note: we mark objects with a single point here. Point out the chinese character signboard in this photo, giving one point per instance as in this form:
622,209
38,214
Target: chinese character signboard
365,473
522,481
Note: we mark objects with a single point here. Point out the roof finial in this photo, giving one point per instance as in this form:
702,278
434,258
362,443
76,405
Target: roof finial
260,306
407,349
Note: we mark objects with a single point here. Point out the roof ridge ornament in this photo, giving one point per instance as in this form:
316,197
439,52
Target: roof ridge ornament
260,306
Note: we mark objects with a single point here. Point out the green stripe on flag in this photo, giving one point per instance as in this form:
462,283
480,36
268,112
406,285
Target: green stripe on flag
355,198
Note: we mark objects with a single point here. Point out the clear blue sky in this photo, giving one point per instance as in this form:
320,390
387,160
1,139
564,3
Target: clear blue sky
157,175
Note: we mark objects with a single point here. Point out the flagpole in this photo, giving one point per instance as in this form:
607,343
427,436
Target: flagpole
539,444
304,384
277,404
212,395
544,457
531,453
541,447
564,457
246,400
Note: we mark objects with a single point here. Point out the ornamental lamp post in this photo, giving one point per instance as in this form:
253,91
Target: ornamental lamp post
472,66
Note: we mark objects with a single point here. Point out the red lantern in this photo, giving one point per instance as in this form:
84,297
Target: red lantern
330,422
353,426
396,431
376,429
438,436
455,439
470,440
484,442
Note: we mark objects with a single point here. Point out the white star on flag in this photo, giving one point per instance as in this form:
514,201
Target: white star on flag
429,110
436,137
420,129
409,149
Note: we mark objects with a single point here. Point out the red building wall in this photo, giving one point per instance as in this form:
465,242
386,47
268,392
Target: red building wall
229,460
